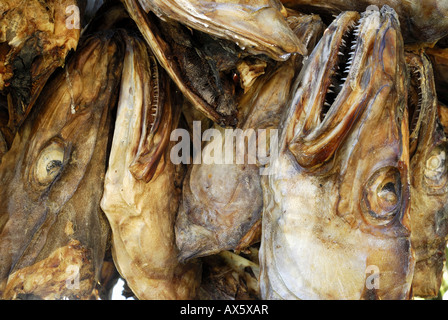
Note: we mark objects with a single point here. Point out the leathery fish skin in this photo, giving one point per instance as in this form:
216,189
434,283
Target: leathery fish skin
222,202
336,205
142,186
53,233
429,189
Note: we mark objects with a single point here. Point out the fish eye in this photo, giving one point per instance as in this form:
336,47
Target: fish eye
435,172
382,196
50,162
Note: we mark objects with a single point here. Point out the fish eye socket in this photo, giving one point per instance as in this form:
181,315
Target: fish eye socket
49,162
435,172
382,196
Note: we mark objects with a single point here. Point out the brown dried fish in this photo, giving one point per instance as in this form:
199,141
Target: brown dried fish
429,187
222,200
422,22
199,81
228,276
336,205
53,233
258,26
35,38
142,186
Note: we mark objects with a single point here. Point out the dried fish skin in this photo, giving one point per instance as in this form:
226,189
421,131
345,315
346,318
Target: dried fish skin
325,231
429,189
142,188
258,26
439,59
422,22
35,38
51,221
171,44
221,201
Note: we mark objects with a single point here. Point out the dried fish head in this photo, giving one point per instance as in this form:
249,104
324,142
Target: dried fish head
429,178
258,26
52,230
35,38
228,276
142,186
195,74
422,22
336,204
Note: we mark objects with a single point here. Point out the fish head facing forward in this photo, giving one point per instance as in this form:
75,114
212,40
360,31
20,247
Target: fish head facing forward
337,202
429,179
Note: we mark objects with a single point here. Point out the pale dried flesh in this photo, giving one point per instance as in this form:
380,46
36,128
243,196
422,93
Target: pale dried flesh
336,205
53,234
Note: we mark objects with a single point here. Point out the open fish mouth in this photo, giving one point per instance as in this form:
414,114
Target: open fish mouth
335,92
337,202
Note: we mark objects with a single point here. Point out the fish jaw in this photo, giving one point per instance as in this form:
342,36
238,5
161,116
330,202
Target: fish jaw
335,172
429,187
52,153
37,42
148,24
